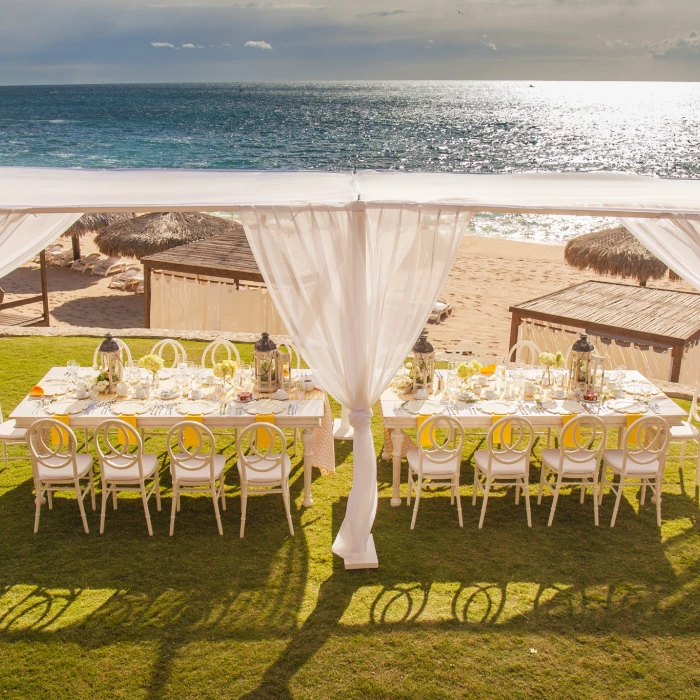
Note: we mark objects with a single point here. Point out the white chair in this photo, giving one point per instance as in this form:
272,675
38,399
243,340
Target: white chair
576,462
57,466
507,465
179,352
195,467
466,351
209,355
439,462
686,432
122,468
265,468
11,435
534,351
87,263
640,462
125,353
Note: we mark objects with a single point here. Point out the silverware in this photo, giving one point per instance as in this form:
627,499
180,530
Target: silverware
655,408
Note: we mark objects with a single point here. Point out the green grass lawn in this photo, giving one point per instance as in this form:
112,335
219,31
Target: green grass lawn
568,611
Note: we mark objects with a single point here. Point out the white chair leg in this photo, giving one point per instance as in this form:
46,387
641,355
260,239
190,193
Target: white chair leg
287,507
81,505
222,491
459,504
244,500
657,493
92,489
37,512
620,486
114,499
595,501
526,492
583,491
215,500
49,499
419,488
644,492
144,500
104,508
560,475
157,490
174,509
487,488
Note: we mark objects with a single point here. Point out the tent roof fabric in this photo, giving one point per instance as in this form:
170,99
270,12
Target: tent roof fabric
60,190
644,313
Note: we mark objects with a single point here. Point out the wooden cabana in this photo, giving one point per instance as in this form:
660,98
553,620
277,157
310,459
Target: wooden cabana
8,317
665,320
223,256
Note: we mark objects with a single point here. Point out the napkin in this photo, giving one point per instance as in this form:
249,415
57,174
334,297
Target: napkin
425,438
129,418
190,437
631,438
263,437
503,434
568,439
55,437
36,391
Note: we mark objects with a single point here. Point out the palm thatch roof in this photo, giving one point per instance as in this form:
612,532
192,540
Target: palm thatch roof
615,251
89,223
154,233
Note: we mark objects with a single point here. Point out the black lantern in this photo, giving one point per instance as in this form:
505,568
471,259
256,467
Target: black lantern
267,365
423,364
111,360
585,369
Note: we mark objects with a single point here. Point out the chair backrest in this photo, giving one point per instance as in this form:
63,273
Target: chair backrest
191,446
532,348
291,350
446,436
693,414
645,441
583,437
114,441
125,353
52,444
514,436
266,447
179,353
466,350
209,355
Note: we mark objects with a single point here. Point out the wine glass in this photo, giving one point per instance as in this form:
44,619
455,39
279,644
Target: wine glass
72,370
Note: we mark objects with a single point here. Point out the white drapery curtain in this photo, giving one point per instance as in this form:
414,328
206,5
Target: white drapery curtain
676,242
22,236
354,286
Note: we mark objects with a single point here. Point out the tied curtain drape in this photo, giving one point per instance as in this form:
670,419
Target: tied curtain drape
22,236
676,242
354,286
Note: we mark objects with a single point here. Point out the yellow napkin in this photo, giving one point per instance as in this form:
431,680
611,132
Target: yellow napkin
263,437
567,435
191,436
121,434
631,438
502,434
55,437
36,391
489,369
425,440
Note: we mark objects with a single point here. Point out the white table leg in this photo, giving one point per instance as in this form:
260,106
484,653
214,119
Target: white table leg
397,443
307,439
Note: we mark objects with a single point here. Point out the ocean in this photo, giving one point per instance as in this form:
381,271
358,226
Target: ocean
472,126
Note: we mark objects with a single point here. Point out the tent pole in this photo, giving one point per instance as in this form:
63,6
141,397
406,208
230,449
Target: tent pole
147,296
44,287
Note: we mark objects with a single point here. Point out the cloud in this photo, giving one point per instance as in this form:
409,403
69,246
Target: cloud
257,45
612,44
488,44
262,6
679,47
162,44
385,13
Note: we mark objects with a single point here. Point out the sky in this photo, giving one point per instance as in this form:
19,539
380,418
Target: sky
98,41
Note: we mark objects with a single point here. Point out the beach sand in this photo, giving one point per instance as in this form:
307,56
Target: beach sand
488,276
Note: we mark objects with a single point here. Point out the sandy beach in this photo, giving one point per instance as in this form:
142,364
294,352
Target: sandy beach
487,277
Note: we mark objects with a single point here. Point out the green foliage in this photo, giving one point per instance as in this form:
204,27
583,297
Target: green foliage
568,611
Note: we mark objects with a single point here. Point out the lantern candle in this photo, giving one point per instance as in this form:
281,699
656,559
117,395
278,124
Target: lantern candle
423,364
268,370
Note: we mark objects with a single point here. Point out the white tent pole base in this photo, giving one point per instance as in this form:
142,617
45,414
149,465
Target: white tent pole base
342,430
367,560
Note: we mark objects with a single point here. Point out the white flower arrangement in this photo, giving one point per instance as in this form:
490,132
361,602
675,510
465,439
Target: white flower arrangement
468,370
152,363
225,369
102,386
549,359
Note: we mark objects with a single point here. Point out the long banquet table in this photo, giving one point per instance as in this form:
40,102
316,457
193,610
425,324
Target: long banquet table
308,414
397,419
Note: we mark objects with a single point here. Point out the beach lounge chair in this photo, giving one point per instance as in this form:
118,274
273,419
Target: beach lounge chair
441,311
86,263
53,249
109,266
127,278
63,259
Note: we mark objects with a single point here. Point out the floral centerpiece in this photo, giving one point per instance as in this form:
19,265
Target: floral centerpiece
403,380
466,370
226,370
102,383
152,363
549,360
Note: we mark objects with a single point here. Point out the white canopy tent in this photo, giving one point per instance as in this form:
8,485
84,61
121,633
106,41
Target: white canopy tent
354,262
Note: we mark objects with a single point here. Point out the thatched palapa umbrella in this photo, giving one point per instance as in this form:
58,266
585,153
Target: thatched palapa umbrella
615,251
154,233
91,223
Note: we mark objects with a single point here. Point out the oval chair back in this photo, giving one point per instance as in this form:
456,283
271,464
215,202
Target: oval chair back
179,353
266,448
581,438
209,355
645,441
473,350
191,446
440,439
291,350
509,440
53,445
528,345
115,441
694,413
125,353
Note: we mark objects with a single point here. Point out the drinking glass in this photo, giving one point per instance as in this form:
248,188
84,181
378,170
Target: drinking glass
620,374
72,369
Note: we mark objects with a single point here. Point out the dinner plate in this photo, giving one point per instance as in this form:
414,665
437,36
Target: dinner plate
130,407
497,408
563,408
197,407
54,387
264,406
424,407
67,407
627,406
